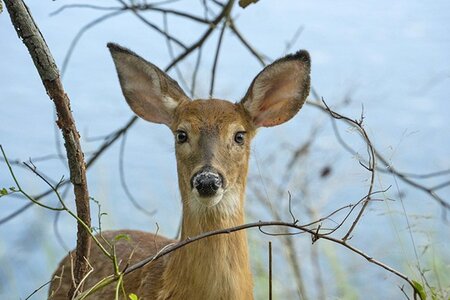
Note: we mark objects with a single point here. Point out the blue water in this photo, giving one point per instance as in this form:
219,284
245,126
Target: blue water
391,57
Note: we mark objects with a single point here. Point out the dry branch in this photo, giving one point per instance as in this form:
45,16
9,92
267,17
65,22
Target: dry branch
30,35
260,224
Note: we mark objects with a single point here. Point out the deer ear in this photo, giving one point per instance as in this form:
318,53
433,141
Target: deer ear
150,92
278,92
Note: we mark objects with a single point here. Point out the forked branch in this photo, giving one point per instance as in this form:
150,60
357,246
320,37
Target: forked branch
29,33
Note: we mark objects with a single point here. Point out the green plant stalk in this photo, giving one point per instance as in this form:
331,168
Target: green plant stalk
99,285
61,201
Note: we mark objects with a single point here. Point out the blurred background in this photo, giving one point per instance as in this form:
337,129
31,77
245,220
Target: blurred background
387,61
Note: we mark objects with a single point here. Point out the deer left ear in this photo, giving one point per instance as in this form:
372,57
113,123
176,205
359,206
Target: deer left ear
278,92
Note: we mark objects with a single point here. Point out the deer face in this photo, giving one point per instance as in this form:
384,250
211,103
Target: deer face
212,142
212,137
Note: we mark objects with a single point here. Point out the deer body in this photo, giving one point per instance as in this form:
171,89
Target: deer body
212,145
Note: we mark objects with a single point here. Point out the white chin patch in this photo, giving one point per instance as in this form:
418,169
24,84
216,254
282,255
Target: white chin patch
207,201
225,203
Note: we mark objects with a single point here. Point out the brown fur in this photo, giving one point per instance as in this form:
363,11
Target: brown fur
216,267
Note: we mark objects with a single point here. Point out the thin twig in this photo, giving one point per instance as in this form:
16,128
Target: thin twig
370,168
260,58
270,270
173,12
172,54
216,59
124,183
150,24
90,6
389,168
195,72
172,247
95,156
80,33
38,289
226,11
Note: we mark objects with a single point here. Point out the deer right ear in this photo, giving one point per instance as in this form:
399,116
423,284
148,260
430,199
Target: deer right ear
150,92
278,92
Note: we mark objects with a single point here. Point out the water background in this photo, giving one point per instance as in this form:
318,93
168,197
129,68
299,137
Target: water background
391,57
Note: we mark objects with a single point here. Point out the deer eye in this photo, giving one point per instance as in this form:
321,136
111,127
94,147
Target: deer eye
239,137
181,136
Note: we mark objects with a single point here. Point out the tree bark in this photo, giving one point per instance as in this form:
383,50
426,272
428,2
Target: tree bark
31,36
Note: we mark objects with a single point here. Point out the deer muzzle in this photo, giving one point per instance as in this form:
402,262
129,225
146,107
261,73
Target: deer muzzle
207,182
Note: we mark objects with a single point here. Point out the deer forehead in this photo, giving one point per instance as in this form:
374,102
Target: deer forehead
213,116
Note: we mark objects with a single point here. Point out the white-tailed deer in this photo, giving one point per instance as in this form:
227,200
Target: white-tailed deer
212,146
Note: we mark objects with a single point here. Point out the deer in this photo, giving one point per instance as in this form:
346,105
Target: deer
212,149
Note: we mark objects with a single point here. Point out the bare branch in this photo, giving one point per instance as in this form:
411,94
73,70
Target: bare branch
80,33
261,59
370,168
38,289
96,7
260,224
216,59
96,154
226,11
150,24
48,71
124,183
270,270
151,7
389,168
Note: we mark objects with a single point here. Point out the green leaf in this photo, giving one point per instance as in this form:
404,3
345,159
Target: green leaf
245,3
3,192
419,288
122,236
133,296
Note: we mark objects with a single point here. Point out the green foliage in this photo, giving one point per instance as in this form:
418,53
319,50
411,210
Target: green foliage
419,288
133,296
122,237
4,191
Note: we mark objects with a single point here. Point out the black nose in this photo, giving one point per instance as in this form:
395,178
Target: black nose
207,183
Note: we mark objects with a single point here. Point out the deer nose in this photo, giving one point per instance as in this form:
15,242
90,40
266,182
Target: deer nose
207,183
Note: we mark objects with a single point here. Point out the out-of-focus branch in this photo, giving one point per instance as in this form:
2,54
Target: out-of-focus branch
80,33
124,184
172,54
30,35
225,11
216,59
183,14
110,140
90,6
261,59
147,22
195,72
389,168
290,252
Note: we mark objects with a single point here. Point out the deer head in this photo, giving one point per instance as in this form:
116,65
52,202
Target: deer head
212,136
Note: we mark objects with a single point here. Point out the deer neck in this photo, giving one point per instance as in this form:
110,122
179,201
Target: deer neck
216,267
